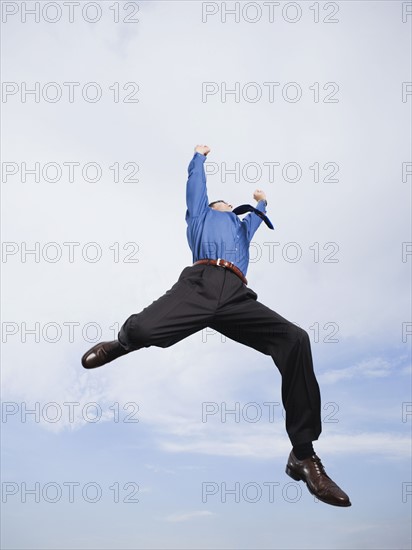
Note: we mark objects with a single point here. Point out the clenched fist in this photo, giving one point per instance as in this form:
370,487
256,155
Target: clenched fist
203,149
259,195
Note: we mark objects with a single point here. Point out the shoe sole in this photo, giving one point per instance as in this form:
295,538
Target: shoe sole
297,477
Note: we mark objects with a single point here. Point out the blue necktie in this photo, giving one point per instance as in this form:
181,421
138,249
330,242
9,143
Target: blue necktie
249,208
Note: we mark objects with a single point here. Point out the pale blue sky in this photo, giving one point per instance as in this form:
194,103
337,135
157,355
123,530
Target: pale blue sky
364,298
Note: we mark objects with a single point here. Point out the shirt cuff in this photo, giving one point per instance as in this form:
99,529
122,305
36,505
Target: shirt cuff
199,155
261,205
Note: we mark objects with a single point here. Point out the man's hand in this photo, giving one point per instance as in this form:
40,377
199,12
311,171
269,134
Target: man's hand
259,195
203,149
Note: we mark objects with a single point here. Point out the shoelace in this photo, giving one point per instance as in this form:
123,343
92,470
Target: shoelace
318,465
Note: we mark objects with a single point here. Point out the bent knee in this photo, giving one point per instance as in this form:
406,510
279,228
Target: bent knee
303,334
297,334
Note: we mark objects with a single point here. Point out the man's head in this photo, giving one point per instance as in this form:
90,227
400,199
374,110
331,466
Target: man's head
222,206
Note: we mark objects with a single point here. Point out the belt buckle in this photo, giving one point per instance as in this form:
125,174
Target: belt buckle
217,262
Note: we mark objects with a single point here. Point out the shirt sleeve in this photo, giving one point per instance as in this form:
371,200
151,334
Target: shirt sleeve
252,220
196,194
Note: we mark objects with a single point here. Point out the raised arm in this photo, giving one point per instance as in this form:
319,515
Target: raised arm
253,221
196,193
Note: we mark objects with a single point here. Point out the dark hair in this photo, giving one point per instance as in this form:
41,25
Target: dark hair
214,202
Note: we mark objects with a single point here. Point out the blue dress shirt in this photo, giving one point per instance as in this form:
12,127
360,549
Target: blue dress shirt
211,233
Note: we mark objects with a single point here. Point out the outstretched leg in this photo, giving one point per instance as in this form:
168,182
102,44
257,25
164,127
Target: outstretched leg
242,318
252,323
185,308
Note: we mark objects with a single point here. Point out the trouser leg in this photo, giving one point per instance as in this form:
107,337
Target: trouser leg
183,310
250,322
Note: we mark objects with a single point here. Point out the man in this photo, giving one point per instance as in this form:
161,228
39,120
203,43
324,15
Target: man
213,293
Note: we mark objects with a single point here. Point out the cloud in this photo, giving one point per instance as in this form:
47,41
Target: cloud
159,469
175,518
384,445
368,368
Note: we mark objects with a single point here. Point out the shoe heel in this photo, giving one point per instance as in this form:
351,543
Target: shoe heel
292,474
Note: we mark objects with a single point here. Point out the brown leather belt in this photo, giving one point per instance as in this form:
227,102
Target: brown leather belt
224,263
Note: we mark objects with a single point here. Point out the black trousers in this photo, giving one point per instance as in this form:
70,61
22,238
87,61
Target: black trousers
210,296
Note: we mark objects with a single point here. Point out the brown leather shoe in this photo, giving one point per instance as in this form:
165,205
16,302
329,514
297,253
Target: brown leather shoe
102,353
311,471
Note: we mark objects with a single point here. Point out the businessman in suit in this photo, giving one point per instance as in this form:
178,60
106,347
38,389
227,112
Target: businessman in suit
213,292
